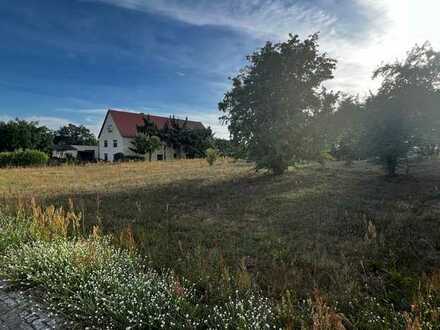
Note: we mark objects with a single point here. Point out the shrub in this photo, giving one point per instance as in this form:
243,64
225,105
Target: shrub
23,158
13,231
119,157
324,157
101,286
211,156
98,284
249,312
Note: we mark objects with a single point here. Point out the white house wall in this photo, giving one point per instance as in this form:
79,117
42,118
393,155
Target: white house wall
124,144
110,150
167,152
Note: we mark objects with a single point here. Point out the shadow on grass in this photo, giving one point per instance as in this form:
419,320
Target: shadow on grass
303,230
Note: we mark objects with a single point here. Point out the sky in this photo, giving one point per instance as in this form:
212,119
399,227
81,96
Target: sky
67,61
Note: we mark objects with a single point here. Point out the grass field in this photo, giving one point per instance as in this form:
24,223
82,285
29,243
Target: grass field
348,232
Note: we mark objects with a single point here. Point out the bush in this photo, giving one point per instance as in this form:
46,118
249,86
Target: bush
119,157
249,312
13,232
101,286
211,156
23,158
98,284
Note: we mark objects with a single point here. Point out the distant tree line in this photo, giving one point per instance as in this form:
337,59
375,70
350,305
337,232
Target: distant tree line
278,112
175,134
29,135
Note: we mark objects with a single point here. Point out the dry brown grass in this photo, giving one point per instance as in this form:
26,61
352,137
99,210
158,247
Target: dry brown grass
109,177
338,229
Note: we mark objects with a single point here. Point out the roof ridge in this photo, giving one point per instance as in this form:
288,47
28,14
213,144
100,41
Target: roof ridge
150,114
127,122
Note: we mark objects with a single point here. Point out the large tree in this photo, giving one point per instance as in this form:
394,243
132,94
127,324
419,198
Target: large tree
193,142
144,144
21,134
270,104
196,141
172,134
348,125
74,135
405,111
147,139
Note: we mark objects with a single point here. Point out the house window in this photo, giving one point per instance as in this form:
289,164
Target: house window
105,143
106,157
115,143
159,157
110,128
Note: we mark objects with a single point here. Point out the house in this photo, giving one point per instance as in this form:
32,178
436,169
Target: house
80,152
121,127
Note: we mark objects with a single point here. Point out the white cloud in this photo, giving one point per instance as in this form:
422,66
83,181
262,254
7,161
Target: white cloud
50,122
258,17
54,123
389,27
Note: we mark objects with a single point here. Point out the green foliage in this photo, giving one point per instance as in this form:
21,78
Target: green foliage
404,113
118,157
192,141
145,144
195,142
348,123
147,140
23,158
148,128
14,231
249,312
226,148
211,156
21,134
373,283
319,133
172,134
74,135
175,134
96,284
268,108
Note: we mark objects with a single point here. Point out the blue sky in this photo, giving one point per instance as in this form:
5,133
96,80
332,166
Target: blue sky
68,60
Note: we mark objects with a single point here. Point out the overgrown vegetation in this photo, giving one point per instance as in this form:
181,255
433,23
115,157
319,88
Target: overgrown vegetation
211,156
99,285
270,106
23,158
176,134
278,113
291,251
74,135
21,135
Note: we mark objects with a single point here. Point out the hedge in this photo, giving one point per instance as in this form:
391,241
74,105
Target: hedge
23,158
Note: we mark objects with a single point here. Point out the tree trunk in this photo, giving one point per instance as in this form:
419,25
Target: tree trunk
279,167
149,156
391,164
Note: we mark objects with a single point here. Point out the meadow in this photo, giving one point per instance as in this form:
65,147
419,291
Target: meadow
368,246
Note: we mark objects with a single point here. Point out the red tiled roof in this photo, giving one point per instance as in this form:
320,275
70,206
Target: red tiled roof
127,122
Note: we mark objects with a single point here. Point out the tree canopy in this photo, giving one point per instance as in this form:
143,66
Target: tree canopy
74,135
21,134
147,140
404,113
278,111
274,99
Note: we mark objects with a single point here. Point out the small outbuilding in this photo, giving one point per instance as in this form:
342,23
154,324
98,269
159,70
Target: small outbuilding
79,152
